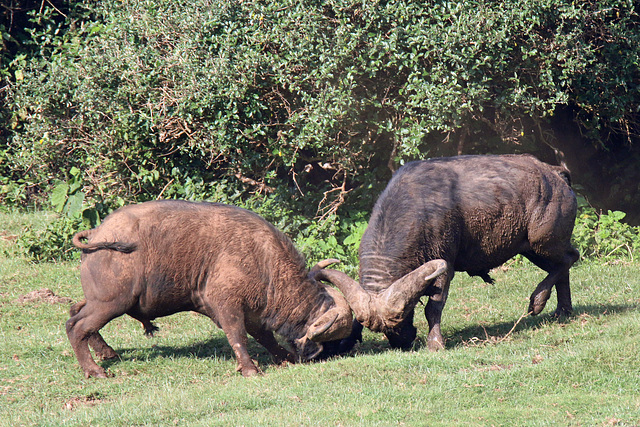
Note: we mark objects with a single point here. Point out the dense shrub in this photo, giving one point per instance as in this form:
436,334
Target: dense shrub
155,97
604,236
303,107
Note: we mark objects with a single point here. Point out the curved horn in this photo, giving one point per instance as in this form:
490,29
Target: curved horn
357,298
320,265
405,292
319,328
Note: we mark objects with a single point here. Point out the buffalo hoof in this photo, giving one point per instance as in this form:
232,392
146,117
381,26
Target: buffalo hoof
106,354
250,372
95,373
287,360
435,343
538,301
562,312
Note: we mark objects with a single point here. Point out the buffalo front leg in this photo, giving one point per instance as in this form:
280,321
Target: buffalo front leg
266,339
347,344
102,350
402,336
433,310
232,323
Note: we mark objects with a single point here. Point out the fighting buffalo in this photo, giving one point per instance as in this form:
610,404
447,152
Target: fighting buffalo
162,257
466,213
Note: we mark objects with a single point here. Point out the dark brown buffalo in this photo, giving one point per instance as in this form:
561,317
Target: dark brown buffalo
159,258
467,213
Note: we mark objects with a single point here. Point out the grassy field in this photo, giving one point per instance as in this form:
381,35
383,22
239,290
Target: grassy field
498,368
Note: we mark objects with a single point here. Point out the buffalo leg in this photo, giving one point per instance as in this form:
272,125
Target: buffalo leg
232,323
433,310
82,330
563,289
267,340
347,344
558,276
149,328
102,350
402,336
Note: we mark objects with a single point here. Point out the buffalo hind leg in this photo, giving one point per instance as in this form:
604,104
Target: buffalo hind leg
103,351
563,289
558,276
434,307
82,331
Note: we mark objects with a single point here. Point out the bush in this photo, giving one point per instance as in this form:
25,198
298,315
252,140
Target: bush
333,238
307,100
300,110
604,236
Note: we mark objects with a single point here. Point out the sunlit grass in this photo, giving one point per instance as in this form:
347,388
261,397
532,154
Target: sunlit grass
582,370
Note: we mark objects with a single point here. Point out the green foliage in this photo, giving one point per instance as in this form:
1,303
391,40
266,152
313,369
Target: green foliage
54,241
605,236
29,32
300,107
300,99
334,238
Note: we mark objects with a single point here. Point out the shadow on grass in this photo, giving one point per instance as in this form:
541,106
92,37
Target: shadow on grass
494,333
500,331
216,347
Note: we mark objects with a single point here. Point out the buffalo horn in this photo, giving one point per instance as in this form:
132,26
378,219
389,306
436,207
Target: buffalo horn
356,297
317,330
405,292
320,265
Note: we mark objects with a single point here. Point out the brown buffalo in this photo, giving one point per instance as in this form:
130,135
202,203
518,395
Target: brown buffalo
162,257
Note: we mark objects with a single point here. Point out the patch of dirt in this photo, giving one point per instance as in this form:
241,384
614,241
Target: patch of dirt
43,295
90,400
8,237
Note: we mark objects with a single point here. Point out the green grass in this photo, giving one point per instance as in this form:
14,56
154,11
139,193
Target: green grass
584,370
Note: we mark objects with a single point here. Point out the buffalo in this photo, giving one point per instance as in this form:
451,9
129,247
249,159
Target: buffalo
465,213
162,257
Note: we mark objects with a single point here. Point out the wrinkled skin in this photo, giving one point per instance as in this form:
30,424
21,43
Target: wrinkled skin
158,258
466,213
